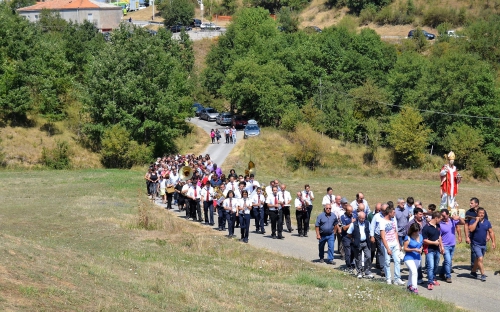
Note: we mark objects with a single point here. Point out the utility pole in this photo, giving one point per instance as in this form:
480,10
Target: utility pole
320,91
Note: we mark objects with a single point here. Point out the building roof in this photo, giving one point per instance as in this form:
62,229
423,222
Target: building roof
68,4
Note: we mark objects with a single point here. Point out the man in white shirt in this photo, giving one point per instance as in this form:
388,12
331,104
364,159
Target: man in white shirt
232,185
220,209
360,199
268,191
389,236
226,133
194,196
258,201
252,185
375,237
287,200
208,207
308,197
359,232
329,198
274,202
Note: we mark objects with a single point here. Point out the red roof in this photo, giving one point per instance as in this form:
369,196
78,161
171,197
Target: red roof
64,4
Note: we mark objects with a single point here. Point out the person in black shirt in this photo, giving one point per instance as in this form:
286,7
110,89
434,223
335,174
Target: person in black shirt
470,215
434,245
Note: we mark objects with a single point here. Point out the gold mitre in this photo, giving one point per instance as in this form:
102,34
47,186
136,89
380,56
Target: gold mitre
450,156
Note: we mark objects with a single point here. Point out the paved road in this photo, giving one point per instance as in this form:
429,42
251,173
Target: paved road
217,152
195,34
464,292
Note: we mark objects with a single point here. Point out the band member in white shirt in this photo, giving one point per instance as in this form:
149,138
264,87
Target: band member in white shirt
287,200
238,195
231,207
274,202
329,198
208,203
258,201
308,197
194,196
232,185
220,209
300,214
268,191
244,214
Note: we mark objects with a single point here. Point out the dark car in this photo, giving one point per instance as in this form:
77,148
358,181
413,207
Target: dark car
239,122
312,29
224,119
209,114
179,27
427,35
197,107
196,22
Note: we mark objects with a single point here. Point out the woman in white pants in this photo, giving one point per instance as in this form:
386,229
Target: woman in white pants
413,248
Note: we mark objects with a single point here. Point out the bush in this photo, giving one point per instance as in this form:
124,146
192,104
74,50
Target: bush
368,14
119,151
480,166
58,157
438,15
291,118
307,148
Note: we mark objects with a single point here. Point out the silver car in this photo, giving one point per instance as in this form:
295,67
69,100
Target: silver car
209,114
251,130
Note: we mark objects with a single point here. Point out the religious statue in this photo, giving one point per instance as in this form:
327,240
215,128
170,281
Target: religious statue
450,178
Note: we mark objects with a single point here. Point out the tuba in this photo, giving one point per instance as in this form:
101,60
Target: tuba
251,168
218,193
185,173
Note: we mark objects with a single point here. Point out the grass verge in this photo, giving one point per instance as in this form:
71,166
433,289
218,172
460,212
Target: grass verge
73,240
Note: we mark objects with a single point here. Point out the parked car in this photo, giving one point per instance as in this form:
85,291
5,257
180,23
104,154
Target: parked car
207,26
142,6
209,114
428,35
453,34
224,119
196,22
177,28
251,129
239,122
197,107
313,29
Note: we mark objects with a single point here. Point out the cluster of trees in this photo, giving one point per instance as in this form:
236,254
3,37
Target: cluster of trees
130,89
355,87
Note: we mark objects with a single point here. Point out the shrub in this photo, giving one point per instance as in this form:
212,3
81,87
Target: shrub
119,151
438,15
384,16
58,157
307,148
368,14
480,166
291,118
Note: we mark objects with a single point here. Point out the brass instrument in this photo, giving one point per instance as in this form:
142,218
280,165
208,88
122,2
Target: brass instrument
185,173
218,193
251,168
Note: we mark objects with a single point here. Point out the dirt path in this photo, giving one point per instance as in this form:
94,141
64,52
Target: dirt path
465,292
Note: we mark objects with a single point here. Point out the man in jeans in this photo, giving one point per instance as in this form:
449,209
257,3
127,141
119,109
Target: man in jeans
479,229
389,237
326,227
448,225
434,245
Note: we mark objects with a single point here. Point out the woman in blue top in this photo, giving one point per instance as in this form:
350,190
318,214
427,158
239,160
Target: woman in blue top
413,248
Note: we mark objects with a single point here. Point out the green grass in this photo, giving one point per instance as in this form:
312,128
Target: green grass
70,242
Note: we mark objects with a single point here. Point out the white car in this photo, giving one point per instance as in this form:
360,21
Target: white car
142,7
207,26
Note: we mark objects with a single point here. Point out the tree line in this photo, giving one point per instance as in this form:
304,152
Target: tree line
355,87
126,94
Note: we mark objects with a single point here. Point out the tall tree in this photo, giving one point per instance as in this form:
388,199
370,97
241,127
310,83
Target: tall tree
176,11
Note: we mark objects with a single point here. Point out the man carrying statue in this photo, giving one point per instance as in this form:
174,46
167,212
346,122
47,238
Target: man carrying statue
450,178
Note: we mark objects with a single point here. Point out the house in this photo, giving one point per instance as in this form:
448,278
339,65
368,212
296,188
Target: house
104,16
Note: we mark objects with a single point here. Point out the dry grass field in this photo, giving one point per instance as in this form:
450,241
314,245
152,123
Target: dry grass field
89,241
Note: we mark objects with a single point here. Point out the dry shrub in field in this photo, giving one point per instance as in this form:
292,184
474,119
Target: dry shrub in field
307,146
148,217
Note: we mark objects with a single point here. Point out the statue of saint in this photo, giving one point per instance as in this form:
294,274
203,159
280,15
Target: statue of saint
450,178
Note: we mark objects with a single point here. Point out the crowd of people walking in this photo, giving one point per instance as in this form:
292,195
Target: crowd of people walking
403,232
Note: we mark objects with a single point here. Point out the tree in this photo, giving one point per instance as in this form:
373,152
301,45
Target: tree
135,83
373,132
288,20
369,101
409,137
176,11
464,140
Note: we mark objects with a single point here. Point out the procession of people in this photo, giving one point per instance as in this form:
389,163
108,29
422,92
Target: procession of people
401,233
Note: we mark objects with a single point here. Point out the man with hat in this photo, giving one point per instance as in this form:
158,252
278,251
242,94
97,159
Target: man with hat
450,178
